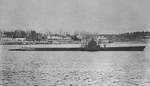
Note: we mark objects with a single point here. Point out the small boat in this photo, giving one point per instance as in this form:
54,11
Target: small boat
91,46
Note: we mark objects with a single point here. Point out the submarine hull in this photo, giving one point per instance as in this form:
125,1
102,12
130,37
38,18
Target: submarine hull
128,48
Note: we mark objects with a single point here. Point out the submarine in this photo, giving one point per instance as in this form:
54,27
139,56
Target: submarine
91,46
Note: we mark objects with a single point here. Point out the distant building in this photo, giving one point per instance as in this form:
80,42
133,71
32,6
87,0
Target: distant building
6,39
54,37
102,39
67,38
20,39
58,37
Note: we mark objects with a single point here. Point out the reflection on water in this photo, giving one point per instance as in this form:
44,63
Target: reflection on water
60,68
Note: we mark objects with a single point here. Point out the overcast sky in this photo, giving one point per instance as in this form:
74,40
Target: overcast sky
103,16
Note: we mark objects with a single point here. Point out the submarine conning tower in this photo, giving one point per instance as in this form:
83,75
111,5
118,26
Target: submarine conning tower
92,44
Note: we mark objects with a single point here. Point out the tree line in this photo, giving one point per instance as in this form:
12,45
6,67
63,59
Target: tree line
33,35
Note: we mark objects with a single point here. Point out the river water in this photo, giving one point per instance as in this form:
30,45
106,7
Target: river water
74,68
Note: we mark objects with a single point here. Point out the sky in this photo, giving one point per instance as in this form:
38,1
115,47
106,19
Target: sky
102,16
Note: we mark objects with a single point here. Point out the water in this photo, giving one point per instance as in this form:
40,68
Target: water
74,68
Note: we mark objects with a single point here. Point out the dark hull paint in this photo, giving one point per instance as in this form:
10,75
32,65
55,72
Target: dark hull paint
129,48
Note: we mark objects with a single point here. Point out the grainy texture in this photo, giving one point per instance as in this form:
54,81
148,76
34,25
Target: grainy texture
53,68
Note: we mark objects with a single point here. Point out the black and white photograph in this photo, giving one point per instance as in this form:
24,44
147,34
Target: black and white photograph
74,43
